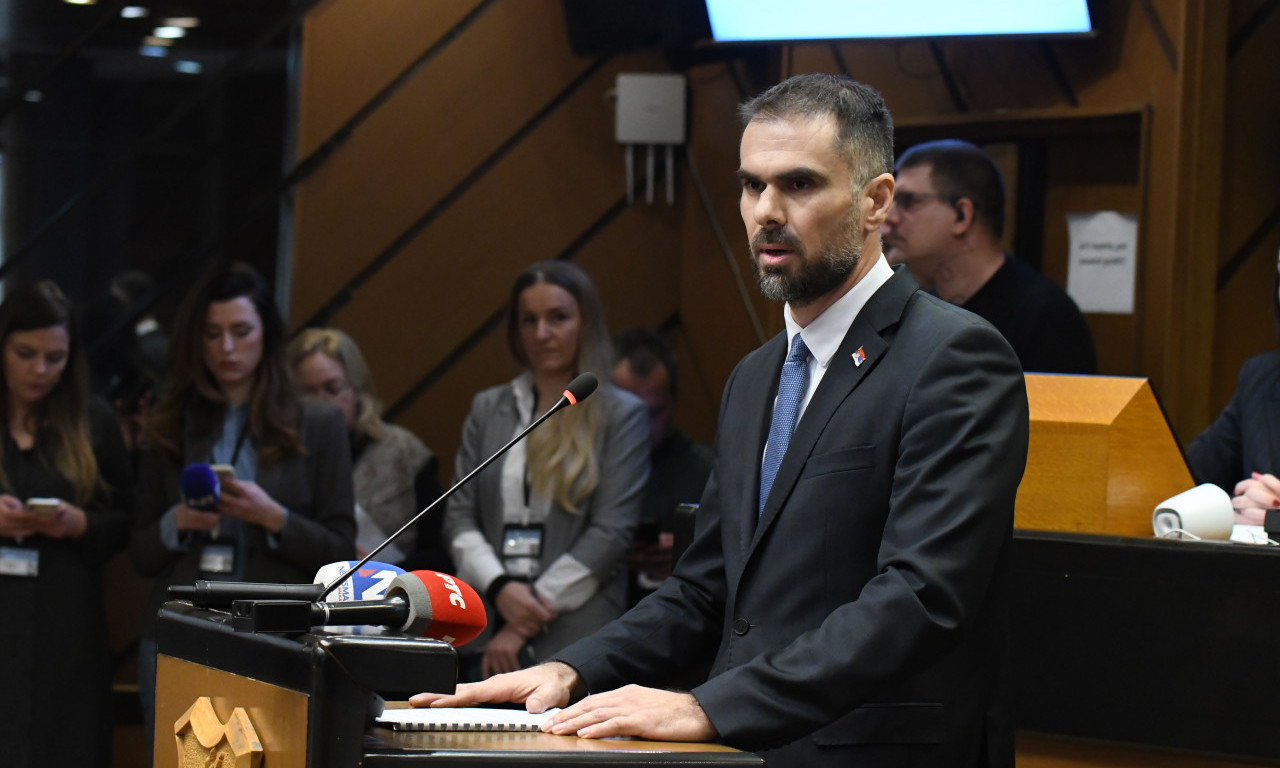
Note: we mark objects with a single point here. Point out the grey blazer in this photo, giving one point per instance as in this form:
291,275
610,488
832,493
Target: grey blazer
598,536
315,487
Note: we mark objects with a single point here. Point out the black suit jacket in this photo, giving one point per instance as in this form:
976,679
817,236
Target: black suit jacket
1245,437
863,620
315,486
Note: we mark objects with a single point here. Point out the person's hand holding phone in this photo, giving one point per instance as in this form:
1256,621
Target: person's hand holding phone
16,521
247,501
56,518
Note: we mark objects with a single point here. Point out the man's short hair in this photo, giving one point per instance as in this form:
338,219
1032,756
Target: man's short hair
644,350
960,169
864,127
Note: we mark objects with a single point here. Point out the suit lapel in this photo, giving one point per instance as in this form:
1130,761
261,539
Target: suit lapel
865,336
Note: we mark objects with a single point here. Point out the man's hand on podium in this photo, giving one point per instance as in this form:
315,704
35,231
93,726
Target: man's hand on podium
539,688
647,713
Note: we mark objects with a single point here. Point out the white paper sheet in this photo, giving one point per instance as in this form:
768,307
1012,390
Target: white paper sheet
1102,261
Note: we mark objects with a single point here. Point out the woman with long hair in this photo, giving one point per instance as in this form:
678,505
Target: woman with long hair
543,533
231,400
396,476
65,499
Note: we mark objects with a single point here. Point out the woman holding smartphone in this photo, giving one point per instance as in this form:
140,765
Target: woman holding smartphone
289,508
64,510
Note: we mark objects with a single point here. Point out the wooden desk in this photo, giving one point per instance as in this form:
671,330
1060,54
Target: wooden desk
385,748
1163,648
308,699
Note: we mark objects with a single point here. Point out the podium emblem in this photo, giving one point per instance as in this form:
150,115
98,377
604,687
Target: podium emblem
204,740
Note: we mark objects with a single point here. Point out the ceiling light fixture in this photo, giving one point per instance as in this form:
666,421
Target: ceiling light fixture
134,12
186,22
172,33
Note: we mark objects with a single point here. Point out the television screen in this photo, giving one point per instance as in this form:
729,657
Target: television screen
741,21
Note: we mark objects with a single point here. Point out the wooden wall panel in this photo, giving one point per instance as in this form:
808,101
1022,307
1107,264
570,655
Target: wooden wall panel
1243,324
375,48
1098,171
1192,150
717,288
426,139
530,206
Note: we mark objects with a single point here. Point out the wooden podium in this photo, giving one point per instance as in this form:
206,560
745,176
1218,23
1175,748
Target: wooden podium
255,700
1101,456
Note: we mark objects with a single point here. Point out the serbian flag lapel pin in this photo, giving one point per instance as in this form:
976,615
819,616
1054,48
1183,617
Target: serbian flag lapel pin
859,357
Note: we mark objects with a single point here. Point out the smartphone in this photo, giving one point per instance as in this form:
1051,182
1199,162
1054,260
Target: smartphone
224,472
42,504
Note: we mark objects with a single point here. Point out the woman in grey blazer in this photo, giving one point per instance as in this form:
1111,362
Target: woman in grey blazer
290,507
543,533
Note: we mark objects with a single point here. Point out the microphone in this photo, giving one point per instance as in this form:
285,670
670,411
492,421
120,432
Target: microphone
370,582
426,603
578,390
200,488
222,594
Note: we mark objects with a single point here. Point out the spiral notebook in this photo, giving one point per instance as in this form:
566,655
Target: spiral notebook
462,719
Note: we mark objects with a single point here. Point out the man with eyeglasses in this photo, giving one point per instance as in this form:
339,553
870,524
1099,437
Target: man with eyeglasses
946,224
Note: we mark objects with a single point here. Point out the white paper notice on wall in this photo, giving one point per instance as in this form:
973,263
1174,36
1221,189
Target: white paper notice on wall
1103,261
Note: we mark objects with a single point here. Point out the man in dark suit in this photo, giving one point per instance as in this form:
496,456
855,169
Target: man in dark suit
858,614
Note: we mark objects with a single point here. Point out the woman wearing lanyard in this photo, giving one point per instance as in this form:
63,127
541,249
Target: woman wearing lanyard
64,509
289,508
543,534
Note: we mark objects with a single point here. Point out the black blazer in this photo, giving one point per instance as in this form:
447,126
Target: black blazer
864,620
1245,438
315,487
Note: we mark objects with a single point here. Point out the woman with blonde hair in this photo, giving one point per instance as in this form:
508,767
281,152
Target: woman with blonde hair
395,475
543,533
64,510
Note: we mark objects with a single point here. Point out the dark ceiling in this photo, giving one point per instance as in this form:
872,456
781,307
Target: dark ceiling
113,160
50,29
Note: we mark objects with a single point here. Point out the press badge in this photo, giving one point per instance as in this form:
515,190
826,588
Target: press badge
218,558
19,561
522,541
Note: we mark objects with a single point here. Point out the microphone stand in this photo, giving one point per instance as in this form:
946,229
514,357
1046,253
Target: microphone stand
560,405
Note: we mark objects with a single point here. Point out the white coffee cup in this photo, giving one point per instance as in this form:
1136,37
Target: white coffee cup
1204,512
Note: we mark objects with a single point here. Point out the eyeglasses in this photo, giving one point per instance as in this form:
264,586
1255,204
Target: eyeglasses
909,201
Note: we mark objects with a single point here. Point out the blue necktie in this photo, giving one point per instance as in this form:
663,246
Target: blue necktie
791,387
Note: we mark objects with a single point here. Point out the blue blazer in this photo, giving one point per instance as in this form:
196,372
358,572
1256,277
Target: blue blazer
864,619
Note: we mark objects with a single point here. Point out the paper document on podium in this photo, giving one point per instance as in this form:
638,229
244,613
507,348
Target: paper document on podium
462,719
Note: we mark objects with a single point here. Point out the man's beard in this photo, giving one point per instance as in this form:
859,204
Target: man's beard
809,279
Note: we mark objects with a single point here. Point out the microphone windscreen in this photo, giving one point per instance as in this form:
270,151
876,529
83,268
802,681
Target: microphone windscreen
581,387
199,486
368,583
457,612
